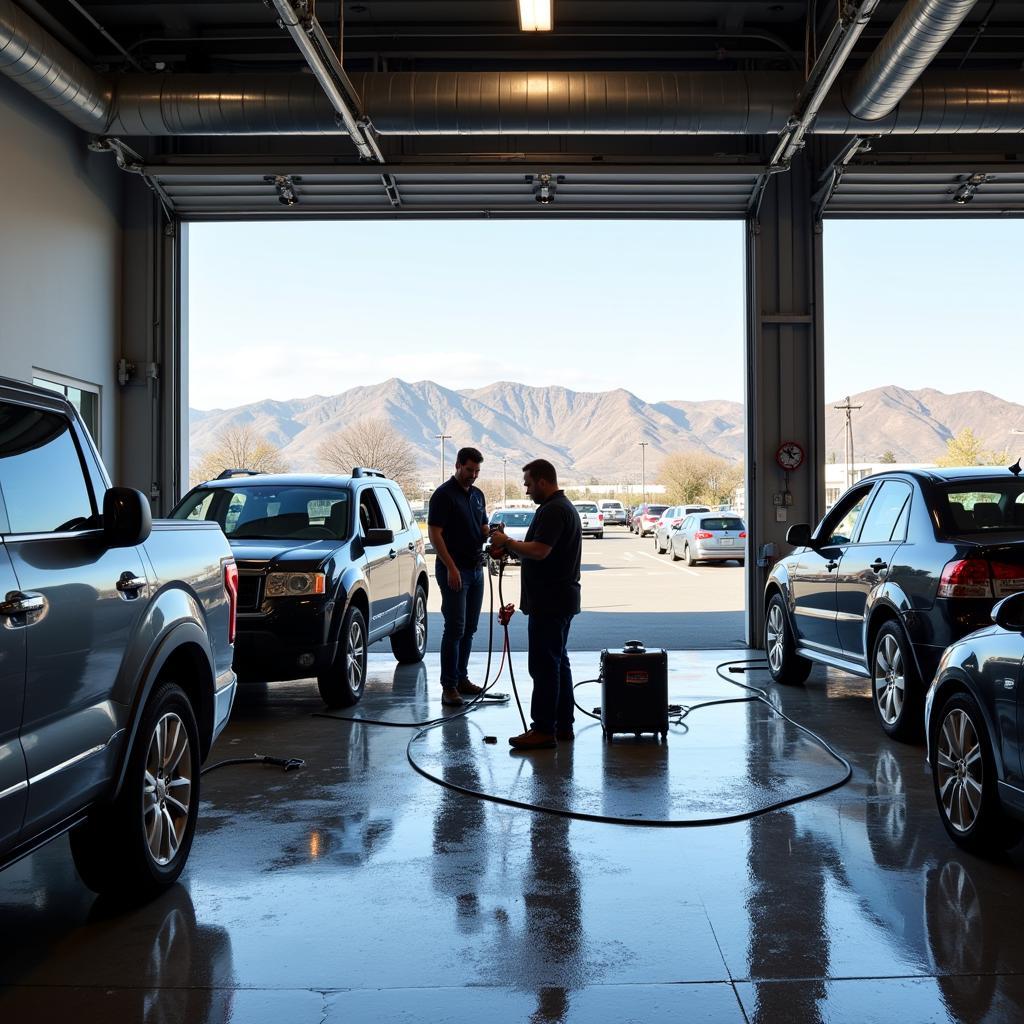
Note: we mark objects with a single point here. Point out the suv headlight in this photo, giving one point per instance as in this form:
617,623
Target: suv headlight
295,584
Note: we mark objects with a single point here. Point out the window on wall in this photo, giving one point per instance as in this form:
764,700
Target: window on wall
84,397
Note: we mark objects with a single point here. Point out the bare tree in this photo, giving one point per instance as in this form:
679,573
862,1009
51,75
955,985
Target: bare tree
239,447
376,444
693,476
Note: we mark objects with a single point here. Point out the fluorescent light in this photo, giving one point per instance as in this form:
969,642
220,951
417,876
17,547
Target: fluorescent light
535,15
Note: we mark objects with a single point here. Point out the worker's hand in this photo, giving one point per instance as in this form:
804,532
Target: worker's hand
498,546
454,579
505,613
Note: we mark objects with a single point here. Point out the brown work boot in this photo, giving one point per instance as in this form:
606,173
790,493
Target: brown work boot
533,740
565,735
450,697
468,689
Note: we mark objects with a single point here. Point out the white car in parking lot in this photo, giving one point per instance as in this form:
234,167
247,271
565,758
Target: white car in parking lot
515,522
709,537
591,519
671,519
614,512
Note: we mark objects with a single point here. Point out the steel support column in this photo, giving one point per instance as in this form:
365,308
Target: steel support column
785,379
153,371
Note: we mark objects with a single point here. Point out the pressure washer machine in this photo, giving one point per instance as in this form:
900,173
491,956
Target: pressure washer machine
634,691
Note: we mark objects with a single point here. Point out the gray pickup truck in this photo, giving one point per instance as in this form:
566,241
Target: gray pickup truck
116,639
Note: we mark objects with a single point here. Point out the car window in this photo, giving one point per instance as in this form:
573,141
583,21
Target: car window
884,513
201,507
656,510
37,449
984,506
389,506
841,522
404,507
721,523
513,518
585,506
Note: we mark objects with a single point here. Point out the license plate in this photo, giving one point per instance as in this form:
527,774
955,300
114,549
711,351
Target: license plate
725,541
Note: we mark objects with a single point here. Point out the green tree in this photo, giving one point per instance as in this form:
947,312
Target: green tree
966,449
239,447
888,458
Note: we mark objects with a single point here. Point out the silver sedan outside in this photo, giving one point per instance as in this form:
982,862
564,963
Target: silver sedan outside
709,537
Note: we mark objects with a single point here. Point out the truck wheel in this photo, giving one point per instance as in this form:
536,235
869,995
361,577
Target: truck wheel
341,685
138,845
784,664
895,684
409,644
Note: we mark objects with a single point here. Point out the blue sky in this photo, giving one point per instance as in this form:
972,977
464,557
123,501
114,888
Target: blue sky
288,310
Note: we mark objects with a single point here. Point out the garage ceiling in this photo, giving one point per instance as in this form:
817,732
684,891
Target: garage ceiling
268,175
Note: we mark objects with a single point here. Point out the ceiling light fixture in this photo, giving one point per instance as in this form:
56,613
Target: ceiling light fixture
535,15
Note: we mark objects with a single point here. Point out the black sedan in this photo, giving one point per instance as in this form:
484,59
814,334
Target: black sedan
904,564
974,739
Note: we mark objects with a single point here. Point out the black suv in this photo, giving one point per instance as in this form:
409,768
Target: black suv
327,565
904,564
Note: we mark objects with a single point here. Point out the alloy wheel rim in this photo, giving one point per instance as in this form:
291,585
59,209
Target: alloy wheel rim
420,618
776,637
959,770
889,680
354,656
167,788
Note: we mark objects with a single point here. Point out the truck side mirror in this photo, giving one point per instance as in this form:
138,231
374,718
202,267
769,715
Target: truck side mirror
127,520
1009,613
799,535
378,536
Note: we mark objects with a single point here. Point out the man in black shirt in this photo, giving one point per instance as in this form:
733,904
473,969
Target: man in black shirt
457,526
550,557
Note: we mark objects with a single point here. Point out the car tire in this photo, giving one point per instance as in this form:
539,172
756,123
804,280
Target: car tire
964,779
137,846
342,684
690,560
784,664
599,535
658,547
896,690
409,644
672,552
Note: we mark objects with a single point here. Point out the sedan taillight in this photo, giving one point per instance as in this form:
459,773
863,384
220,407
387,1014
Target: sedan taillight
743,534
975,577
231,590
676,522
703,535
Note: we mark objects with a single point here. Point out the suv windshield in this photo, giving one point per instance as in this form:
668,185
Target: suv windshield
271,513
513,518
984,506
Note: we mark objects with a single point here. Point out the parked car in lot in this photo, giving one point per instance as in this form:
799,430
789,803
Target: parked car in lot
671,519
115,656
515,522
614,513
904,564
591,519
975,730
646,517
327,565
709,537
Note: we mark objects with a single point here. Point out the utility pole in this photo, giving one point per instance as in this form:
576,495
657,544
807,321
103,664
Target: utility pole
504,486
849,410
443,438
643,470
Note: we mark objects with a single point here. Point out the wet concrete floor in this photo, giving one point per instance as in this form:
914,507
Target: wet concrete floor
358,890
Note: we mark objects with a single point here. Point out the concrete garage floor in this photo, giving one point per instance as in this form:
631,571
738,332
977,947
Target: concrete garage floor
356,890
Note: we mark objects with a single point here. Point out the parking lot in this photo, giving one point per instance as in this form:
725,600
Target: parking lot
631,592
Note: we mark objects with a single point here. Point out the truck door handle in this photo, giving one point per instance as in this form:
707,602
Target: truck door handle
412,545
878,565
129,584
392,553
832,565
17,603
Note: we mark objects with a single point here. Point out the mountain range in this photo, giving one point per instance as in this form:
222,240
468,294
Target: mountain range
595,434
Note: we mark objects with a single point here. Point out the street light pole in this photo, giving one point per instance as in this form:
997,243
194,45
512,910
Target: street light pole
504,486
442,438
643,470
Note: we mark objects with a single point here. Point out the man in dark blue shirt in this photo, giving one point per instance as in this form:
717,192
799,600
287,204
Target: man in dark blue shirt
457,526
550,557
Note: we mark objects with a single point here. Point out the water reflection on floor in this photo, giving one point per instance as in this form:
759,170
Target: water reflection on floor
356,890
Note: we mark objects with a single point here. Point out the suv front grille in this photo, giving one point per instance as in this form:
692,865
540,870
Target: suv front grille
250,588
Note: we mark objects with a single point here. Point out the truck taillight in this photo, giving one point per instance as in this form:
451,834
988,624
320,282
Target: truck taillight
231,589
703,535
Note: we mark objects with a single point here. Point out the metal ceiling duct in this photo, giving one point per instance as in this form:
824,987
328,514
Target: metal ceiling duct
912,42
37,62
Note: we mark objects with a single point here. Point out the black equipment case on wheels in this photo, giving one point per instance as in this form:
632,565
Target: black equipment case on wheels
634,690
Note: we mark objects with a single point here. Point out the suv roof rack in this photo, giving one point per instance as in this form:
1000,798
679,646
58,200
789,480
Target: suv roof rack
227,474
366,471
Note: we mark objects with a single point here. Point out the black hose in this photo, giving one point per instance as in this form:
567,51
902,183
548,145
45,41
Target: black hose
287,763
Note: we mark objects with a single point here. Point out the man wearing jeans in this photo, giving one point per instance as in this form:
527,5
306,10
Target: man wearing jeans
550,557
457,525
